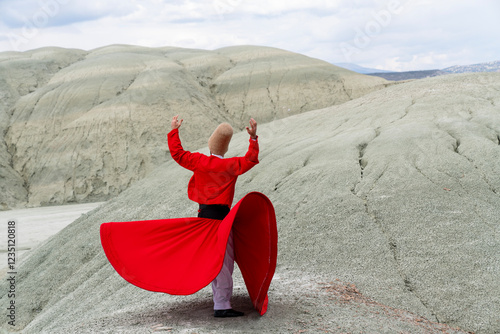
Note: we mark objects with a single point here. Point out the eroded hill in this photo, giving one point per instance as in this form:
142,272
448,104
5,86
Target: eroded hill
396,193
83,126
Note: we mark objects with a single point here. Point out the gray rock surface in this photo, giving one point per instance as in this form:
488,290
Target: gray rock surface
388,216
85,125
21,73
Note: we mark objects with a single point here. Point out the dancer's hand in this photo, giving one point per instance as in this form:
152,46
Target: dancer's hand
175,123
252,130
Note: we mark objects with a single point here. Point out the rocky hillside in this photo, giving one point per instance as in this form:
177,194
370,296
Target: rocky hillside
21,74
82,126
388,219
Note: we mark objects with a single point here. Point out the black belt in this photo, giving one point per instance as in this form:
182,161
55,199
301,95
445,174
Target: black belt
213,211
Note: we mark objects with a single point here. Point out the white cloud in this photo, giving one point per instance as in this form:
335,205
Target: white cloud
47,13
417,34
265,7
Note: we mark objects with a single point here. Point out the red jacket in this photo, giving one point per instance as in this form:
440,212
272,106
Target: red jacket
214,178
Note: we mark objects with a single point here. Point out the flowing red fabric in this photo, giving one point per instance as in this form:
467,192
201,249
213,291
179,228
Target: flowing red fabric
180,256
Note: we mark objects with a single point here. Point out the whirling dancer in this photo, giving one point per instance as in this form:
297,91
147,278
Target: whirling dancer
212,187
180,256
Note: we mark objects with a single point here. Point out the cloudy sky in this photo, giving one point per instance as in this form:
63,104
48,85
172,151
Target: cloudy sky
387,34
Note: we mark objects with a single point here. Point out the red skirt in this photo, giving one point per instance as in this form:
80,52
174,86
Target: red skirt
180,256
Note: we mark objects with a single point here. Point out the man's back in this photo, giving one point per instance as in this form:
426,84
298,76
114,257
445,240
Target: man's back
214,178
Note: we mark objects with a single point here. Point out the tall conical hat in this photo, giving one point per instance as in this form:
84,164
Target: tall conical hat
218,143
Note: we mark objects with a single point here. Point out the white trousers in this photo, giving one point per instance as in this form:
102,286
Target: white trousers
222,285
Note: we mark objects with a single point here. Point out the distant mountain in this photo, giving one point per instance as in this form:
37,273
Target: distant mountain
492,66
360,69
399,76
